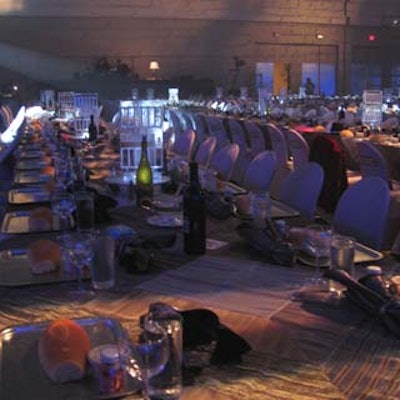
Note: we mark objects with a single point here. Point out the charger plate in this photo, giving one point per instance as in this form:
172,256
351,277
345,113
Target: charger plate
21,375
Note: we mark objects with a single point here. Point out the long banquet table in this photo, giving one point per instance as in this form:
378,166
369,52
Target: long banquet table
300,349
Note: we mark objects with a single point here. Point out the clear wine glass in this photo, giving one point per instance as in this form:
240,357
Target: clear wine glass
63,204
317,244
79,250
314,250
63,174
152,348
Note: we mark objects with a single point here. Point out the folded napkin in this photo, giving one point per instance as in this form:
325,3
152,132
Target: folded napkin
102,204
136,255
217,206
372,296
268,241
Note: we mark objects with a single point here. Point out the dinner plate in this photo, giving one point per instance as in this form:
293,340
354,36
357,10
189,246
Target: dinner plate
22,177
166,204
166,220
15,271
28,194
18,222
28,154
31,164
362,254
21,374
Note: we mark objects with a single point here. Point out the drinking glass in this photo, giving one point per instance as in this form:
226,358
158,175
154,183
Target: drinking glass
63,205
260,207
313,244
317,244
151,346
79,250
63,171
342,258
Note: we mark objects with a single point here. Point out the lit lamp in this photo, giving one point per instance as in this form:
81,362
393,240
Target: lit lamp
154,68
319,37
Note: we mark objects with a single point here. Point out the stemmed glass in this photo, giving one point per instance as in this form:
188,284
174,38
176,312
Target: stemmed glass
315,248
63,172
79,251
317,243
152,348
63,204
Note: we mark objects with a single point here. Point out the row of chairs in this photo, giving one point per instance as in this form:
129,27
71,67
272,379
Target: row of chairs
300,182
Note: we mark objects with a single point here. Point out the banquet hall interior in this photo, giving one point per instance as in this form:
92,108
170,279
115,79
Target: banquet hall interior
200,199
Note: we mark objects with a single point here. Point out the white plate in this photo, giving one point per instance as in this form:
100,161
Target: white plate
165,220
165,204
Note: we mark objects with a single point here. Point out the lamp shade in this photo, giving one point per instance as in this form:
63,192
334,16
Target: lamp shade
154,66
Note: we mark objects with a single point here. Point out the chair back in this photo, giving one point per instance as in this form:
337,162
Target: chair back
205,151
216,127
224,160
237,133
260,172
302,187
372,162
183,145
176,122
238,136
299,149
187,119
362,211
278,144
255,137
200,127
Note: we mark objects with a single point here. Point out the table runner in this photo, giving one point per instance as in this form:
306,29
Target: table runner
315,349
239,285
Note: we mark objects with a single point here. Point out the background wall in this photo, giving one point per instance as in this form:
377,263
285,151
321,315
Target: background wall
50,41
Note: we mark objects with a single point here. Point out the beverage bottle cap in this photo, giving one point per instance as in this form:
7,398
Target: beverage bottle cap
374,270
109,355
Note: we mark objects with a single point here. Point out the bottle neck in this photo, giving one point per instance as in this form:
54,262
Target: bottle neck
144,148
194,175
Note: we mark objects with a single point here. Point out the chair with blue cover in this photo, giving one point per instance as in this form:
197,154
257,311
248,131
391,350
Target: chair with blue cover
363,211
183,145
298,147
223,161
255,136
176,122
301,189
259,173
279,146
216,127
200,126
373,163
205,151
238,135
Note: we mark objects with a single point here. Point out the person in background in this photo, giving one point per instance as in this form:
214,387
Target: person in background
310,87
123,69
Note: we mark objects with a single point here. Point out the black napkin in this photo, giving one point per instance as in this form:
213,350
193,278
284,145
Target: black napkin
217,206
268,242
202,326
102,204
373,299
137,255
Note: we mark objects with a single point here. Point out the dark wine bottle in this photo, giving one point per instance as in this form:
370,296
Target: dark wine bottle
144,177
194,215
92,129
